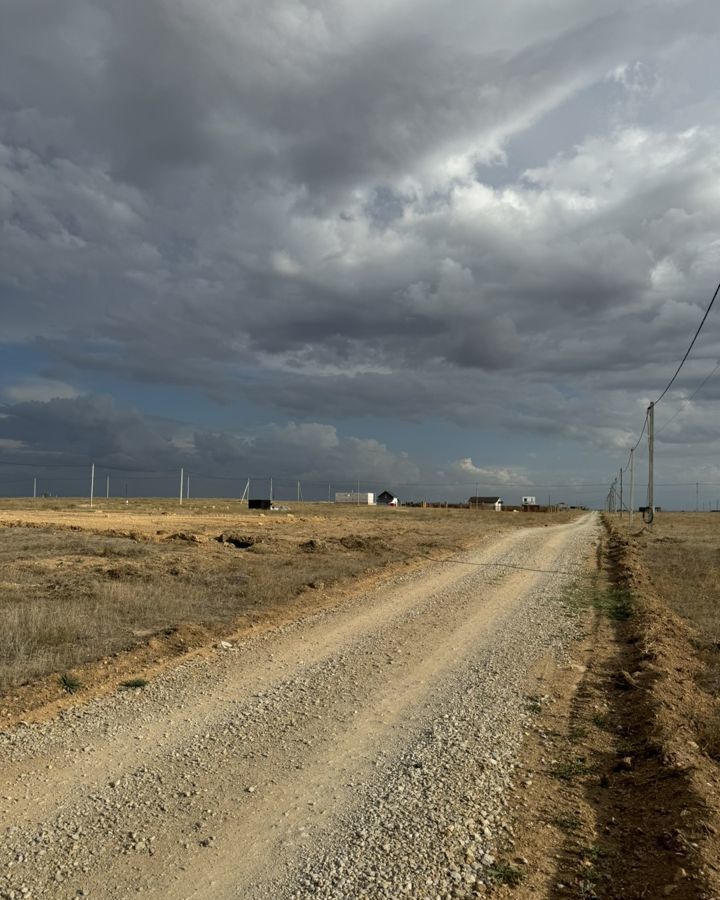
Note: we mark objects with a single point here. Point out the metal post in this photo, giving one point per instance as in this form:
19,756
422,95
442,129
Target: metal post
107,487
621,493
298,491
651,459
34,488
182,483
187,488
632,484
92,483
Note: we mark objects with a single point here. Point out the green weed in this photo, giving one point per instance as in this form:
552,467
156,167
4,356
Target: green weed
69,683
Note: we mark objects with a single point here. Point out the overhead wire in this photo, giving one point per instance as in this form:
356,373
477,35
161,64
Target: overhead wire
675,375
692,344
689,399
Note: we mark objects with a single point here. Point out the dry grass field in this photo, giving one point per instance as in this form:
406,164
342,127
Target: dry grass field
682,553
79,584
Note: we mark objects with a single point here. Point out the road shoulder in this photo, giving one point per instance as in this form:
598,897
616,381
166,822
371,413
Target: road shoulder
614,798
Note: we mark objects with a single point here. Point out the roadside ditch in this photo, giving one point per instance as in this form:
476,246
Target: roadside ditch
618,795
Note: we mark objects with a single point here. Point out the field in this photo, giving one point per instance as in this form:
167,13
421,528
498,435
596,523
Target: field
682,553
80,584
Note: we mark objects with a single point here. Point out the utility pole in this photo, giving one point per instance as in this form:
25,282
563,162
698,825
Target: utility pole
621,493
182,483
187,488
477,504
107,487
697,496
92,483
271,497
632,484
34,488
298,491
358,492
651,460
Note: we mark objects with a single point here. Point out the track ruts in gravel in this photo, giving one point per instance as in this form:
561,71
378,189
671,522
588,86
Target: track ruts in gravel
364,751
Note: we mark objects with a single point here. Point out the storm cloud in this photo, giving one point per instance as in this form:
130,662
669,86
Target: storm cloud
491,216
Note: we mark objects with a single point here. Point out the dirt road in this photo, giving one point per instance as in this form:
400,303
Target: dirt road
365,751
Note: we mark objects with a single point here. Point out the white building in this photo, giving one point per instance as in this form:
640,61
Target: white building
361,499
529,501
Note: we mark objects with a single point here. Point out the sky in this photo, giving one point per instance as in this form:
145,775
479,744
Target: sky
431,248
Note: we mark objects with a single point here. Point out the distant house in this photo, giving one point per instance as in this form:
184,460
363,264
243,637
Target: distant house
529,501
387,499
486,503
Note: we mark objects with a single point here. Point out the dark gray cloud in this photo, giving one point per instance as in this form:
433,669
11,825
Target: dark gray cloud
386,209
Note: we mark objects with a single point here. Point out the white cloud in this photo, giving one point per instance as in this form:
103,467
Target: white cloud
38,389
490,475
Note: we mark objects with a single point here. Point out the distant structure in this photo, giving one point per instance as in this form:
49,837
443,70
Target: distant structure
387,499
486,503
361,499
529,501
261,503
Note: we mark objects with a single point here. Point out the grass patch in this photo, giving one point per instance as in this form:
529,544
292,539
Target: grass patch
69,683
504,873
134,683
613,602
570,769
568,823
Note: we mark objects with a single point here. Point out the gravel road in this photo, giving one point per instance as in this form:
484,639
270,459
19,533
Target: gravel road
367,751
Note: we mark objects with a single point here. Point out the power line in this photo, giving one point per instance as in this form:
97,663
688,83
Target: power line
691,397
677,372
692,343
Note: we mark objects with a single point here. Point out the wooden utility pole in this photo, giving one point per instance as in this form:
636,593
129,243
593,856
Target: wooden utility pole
651,459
